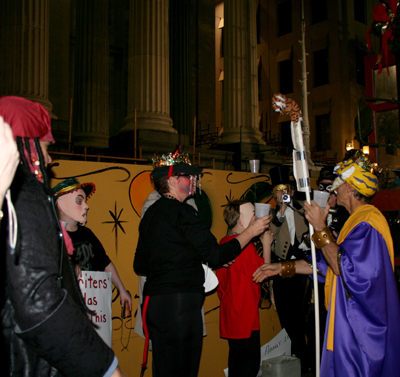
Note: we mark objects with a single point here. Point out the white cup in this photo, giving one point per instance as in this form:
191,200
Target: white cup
321,198
254,166
262,209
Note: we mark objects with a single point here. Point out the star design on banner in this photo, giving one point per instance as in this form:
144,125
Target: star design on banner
117,224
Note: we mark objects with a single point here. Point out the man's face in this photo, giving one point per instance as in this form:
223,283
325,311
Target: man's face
47,159
341,193
187,184
280,190
325,185
246,214
74,206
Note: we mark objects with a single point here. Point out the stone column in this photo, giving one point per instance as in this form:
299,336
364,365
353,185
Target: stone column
91,87
240,73
148,70
24,50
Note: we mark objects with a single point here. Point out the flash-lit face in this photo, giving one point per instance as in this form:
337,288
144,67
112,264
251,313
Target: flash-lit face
74,206
187,184
246,214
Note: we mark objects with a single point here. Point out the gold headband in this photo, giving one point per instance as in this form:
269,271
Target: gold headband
68,188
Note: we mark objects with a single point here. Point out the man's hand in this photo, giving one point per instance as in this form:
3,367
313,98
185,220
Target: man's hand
316,215
229,263
279,199
266,270
78,271
125,297
258,226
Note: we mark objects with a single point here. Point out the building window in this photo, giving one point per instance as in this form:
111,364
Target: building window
359,11
319,11
286,76
360,70
323,132
321,67
284,17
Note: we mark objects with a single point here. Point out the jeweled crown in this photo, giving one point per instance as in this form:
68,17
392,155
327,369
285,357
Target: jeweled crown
171,159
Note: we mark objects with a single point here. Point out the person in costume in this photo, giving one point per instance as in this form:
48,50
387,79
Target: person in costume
291,295
362,335
239,295
46,331
89,255
138,329
337,215
173,244
336,218
9,158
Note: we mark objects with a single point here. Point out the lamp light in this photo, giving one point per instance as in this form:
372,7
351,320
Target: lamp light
366,149
349,145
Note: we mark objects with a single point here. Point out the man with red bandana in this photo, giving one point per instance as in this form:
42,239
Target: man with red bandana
46,332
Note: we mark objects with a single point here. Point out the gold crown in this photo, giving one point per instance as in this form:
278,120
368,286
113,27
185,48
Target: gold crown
171,159
364,162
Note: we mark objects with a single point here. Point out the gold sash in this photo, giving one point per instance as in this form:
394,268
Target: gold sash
373,217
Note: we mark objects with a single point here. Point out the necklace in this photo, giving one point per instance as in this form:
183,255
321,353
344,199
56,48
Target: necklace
169,197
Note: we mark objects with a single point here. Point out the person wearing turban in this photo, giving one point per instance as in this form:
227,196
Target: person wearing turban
362,335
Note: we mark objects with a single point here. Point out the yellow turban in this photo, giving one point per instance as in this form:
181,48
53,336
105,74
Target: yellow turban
356,176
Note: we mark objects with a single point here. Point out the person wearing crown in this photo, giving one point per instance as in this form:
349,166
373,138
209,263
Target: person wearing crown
173,243
362,335
70,198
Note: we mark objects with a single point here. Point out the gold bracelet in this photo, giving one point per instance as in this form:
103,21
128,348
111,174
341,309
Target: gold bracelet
288,269
323,237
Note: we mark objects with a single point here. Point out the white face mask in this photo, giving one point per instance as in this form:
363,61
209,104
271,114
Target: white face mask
74,206
246,214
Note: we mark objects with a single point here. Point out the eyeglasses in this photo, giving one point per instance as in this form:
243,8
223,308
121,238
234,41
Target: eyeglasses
325,186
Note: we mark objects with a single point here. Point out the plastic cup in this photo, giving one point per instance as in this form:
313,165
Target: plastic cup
254,166
262,209
321,198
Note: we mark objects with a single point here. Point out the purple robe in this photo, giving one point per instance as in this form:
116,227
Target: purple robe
367,315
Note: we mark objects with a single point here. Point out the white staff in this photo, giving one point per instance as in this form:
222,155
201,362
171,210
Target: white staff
284,106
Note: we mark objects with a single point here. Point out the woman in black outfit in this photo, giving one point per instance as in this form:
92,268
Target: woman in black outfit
173,244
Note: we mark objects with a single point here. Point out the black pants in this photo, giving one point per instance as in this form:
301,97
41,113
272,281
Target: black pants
292,297
245,356
176,331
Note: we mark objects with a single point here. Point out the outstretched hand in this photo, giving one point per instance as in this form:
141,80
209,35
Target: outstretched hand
265,271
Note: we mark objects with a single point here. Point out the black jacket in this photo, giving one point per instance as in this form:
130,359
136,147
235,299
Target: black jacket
173,242
46,332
